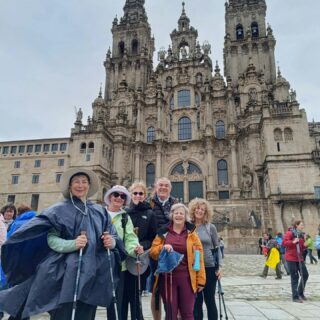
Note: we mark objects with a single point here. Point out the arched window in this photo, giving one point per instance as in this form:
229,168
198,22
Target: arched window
184,129
171,103
91,147
150,174
254,30
288,135
220,131
83,147
178,169
150,134
193,168
239,32
134,46
277,133
121,48
169,82
198,100
222,172
184,99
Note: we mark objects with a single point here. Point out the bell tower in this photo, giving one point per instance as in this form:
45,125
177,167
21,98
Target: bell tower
247,38
129,62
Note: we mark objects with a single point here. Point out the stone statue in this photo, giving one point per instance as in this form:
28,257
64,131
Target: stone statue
183,52
79,115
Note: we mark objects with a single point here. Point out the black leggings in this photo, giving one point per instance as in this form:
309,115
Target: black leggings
208,294
83,312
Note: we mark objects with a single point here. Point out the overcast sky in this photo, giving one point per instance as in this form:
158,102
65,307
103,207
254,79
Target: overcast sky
52,53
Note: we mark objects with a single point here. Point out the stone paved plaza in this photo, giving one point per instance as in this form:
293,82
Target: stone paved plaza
249,297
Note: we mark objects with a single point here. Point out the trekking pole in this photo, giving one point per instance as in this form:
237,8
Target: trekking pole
220,307
138,264
300,265
220,289
114,297
75,296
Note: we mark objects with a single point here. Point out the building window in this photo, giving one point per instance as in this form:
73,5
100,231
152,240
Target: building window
239,32
60,162
254,30
17,164
63,146
46,147
14,179
34,202
222,172
11,198
83,147
5,150
13,149
54,147
91,147
171,102
150,174
22,149
37,163
198,120
35,178
277,134
220,132
37,148
150,134
121,48
184,129
88,157
135,46
288,135
184,99
29,148
58,177
224,195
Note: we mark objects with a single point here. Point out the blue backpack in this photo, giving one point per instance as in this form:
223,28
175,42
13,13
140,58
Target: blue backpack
318,242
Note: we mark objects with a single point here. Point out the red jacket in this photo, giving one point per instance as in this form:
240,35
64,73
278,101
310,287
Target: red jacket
291,253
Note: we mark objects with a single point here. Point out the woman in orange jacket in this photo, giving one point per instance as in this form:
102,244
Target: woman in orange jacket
180,290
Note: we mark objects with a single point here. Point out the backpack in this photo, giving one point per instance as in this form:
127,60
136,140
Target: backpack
318,242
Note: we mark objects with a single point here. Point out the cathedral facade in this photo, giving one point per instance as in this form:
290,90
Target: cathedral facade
237,137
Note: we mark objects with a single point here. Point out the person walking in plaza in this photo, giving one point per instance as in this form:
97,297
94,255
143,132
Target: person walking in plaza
295,244
273,254
161,203
116,199
201,215
282,249
310,247
41,259
317,244
145,226
178,290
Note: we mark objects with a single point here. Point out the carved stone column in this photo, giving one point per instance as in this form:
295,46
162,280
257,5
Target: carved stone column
137,156
234,166
158,159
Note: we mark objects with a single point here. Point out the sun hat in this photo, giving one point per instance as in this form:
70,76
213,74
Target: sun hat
120,189
70,173
131,263
168,261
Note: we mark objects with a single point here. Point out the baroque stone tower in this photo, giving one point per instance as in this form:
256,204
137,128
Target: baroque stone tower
248,38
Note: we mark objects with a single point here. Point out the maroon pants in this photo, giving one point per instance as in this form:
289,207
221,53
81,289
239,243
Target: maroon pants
177,294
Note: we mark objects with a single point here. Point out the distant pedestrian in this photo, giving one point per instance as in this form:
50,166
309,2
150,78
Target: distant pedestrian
295,244
282,249
310,247
221,244
260,246
318,244
273,258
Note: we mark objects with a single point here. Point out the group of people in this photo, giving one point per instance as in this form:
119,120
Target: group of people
290,250
77,255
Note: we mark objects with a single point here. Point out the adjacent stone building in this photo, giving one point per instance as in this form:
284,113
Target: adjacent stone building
237,138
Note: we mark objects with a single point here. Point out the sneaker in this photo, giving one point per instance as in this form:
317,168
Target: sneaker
262,276
303,298
278,278
297,300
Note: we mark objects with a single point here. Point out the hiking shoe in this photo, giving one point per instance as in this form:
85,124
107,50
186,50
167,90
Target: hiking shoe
262,276
297,300
303,298
278,278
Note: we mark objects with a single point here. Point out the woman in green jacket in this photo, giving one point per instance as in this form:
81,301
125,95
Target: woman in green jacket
310,247
116,199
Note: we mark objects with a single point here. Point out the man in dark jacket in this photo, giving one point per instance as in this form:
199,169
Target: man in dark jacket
161,204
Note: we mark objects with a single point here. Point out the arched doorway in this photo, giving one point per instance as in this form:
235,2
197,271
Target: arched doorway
187,181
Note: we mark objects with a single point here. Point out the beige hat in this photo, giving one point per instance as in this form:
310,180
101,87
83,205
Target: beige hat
70,173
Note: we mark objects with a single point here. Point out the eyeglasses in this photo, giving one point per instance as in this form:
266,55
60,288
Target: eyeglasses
138,193
121,195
